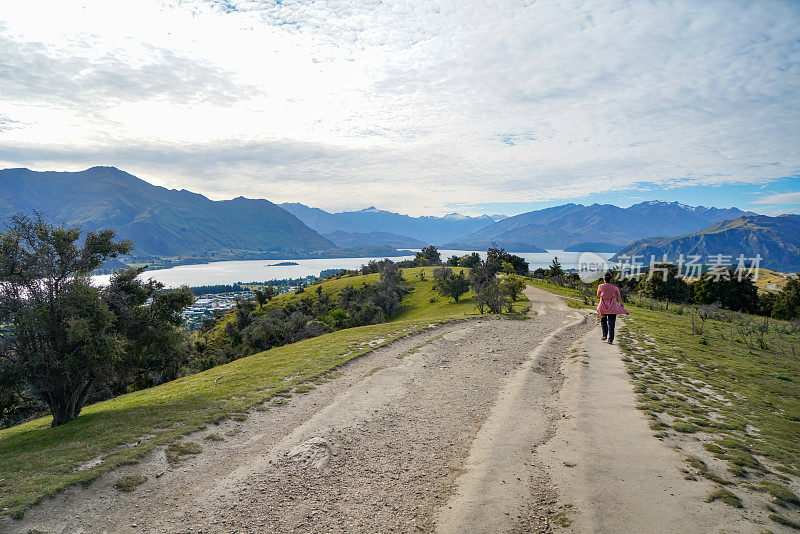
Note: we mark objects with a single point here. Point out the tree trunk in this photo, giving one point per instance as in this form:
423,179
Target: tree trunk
66,404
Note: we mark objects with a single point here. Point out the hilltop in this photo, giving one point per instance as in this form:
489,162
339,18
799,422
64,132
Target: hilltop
776,239
161,222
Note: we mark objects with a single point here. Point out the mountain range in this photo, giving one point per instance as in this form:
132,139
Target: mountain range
160,222
431,230
186,226
776,239
606,226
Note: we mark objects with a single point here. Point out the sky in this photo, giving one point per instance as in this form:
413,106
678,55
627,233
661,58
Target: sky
421,107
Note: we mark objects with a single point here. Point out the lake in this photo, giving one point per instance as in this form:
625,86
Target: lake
228,272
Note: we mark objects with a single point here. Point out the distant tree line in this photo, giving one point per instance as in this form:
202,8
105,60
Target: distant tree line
725,288
218,288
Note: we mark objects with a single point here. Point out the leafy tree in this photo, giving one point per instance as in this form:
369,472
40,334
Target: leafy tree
469,260
261,297
449,284
452,261
148,322
727,290
391,273
485,288
506,267
66,335
430,255
787,302
664,283
495,257
269,292
441,273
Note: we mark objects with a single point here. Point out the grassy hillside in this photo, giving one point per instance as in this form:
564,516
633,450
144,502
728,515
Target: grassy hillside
725,390
36,461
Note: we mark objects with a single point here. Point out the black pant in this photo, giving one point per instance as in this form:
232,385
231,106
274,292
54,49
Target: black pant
607,322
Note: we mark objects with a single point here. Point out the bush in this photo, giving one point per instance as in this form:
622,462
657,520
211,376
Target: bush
512,285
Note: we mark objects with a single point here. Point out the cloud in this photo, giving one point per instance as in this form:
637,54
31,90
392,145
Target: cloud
412,105
780,198
30,72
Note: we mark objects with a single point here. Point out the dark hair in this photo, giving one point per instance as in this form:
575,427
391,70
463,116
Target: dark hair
607,277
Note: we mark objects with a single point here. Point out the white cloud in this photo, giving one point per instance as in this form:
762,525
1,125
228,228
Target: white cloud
780,198
413,105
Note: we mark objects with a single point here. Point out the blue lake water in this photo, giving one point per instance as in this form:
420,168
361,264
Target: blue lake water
228,272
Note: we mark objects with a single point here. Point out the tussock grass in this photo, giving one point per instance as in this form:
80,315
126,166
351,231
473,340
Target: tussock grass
129,483
176,451
726,496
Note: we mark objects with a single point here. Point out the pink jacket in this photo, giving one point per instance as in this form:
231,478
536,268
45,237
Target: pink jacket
609,300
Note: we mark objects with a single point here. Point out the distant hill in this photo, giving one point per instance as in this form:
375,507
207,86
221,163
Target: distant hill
430,230
592,247
361,239
564,226
160,222
776,239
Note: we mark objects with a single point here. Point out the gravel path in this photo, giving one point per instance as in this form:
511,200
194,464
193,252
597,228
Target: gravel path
414,437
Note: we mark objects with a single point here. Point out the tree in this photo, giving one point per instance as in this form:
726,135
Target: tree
66,335
449,284
430,256
148,323
495,257
441,273
261,297
269,292
727,289
469,260
453,260
787,302
665,283
555,268
506,267
391,273
485,288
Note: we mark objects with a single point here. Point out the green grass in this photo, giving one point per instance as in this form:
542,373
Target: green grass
129,483
37,461
176,451
726,496
752,406
785,522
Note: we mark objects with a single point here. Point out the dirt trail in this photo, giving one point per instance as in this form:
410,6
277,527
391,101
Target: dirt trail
442,431
611,474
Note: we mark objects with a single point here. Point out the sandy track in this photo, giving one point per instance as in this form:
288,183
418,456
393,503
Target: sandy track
393,433
610,471
481,426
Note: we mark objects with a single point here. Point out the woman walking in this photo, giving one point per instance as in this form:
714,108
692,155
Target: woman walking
609,307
